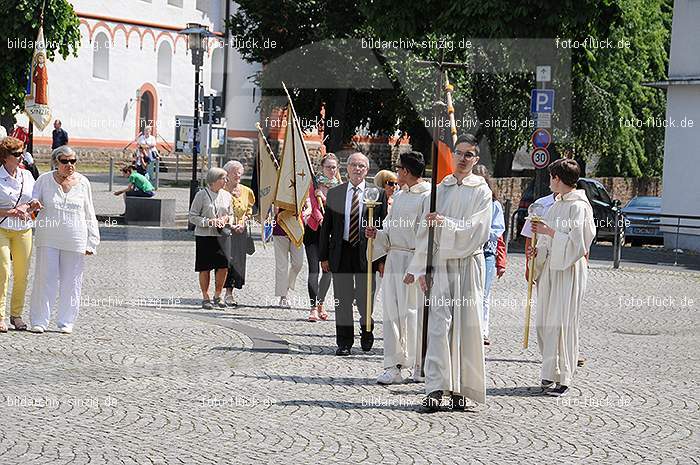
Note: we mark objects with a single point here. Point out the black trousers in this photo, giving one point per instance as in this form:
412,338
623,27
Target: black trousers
317,288
350,284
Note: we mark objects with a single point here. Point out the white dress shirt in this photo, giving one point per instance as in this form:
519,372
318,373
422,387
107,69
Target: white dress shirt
150,141
348,207
9,191
67,221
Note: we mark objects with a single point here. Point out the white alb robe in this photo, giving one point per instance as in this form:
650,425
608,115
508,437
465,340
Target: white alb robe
562,272
455,354
397,241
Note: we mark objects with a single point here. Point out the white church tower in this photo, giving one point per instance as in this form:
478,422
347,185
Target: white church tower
681,180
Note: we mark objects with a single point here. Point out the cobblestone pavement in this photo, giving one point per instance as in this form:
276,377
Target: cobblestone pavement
148,377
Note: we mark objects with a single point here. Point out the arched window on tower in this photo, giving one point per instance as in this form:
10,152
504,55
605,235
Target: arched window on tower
100,56
165,63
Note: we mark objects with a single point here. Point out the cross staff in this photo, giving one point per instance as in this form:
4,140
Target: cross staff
441,66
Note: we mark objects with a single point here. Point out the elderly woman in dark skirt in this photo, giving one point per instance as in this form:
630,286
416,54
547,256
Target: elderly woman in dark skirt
210,213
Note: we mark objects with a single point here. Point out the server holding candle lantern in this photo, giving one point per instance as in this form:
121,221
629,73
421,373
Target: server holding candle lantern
560,268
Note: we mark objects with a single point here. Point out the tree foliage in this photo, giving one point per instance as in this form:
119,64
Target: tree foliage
606,83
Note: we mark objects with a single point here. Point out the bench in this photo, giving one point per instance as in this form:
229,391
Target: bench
150,211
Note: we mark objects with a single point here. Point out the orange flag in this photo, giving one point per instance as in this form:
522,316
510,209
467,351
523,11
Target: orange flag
444,161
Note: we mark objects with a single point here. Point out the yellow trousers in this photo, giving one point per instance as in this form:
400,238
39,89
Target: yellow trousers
15,250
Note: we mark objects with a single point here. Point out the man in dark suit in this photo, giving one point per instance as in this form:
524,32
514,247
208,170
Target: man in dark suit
59,135
343,251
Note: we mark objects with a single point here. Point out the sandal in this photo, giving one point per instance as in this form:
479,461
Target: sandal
322,314
18,323
230,301
3,326
313,316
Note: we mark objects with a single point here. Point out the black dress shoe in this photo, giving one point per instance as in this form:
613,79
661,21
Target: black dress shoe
559,391
366,340
342,351
431,402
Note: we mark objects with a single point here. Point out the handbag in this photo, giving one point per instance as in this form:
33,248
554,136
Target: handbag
249,242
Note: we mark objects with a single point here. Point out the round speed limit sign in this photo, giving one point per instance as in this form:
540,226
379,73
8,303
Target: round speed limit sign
540,158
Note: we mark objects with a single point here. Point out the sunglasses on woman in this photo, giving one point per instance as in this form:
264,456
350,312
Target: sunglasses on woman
391,183
17,154
65,161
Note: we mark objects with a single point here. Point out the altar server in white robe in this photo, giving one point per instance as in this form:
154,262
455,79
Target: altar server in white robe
454,361
397,241
561,270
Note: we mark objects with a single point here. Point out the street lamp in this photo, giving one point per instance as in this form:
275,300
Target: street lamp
197,41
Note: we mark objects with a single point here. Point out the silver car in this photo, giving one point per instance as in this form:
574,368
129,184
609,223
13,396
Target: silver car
640,228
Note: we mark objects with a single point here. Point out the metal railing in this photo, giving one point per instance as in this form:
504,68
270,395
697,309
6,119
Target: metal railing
617,245
620,223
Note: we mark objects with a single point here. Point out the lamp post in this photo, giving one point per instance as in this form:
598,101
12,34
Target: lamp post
197,42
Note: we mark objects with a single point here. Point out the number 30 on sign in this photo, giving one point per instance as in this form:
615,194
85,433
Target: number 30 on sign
540,158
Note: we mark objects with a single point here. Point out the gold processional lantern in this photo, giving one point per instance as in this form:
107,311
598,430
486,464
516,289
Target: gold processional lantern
371,200
535,213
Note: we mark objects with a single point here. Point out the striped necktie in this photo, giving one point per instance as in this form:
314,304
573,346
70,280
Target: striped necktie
354,235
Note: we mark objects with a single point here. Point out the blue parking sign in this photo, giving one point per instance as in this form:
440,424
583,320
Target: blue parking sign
542,101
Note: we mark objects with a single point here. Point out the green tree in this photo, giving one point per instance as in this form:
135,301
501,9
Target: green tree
605,82
307,27
19,25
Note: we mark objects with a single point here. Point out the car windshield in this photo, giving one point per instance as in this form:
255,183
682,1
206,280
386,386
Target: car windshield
603,194
645,202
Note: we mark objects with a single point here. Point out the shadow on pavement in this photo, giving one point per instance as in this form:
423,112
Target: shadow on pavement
523,391
513,360
371,404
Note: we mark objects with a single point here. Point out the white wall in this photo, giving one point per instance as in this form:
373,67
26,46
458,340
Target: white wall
681,181
241,107
105,109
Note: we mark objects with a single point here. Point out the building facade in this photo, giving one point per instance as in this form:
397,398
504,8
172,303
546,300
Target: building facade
133,68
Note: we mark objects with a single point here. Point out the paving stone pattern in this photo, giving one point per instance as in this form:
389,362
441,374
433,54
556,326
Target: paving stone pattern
150,378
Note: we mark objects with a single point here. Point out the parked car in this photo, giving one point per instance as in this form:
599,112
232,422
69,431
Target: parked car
640,228
603,208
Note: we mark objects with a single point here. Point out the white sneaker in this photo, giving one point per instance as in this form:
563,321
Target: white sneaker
406,374
390,376
66,330
38,329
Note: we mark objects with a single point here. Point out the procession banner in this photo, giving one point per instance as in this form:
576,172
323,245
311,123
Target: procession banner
36,103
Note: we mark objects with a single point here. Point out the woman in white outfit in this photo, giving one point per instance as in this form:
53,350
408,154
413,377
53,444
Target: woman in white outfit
66,231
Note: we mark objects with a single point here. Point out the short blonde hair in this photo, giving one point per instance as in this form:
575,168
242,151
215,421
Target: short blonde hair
383,176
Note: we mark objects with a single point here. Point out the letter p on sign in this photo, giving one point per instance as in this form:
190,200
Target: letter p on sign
542,101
